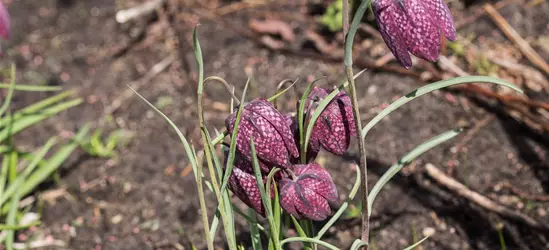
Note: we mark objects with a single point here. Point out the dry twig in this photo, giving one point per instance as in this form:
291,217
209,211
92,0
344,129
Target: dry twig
514,36
480,200
123,16
522,194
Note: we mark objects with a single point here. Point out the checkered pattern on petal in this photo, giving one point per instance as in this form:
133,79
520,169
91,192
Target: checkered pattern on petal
310,195
335,125
264,123
390,18
443,17
278,121
414,26
244,186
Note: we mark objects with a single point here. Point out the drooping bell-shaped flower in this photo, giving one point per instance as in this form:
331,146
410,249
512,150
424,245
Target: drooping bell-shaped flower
273,139
243,184
335,125
414,26
310,195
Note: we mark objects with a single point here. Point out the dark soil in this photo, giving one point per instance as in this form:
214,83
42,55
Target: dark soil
146,198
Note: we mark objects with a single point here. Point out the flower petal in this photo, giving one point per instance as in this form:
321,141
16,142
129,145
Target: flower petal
315,177
244,186
4,22
267,110
439,9
422,35
391,19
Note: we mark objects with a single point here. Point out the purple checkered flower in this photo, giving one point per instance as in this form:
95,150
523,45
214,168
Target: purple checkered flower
4,23
273,139
335,125
414,26
243,184
310,194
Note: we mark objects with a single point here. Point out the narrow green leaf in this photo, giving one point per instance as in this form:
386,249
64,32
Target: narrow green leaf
264,198
199,61
186,145
4,174
34,108
357,244
410,156
301,119
14,158
232,148
30,120
246,217
27,171
7,102
280,93
18,227
11,219
298,227
430,88
416,244
37,88
53,163
311,240
254,231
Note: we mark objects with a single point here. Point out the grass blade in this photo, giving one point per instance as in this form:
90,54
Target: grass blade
416,244
254,231
27,171
357,244
7,102
30,120
301,119
11,219
232,148
410,156
264,198
430,88
310,240
33,108
53,163
247,218
34,88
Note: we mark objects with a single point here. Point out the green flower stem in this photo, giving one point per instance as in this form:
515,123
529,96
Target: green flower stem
204,211
348,60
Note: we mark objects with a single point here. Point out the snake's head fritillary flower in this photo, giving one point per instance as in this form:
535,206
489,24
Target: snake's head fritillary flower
312,152
335,125
243,184
310,195
273,139
414,26
4,23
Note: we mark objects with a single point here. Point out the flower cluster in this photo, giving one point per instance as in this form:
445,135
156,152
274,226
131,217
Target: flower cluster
306,189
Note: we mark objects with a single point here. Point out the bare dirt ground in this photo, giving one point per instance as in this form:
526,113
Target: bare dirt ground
146,198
